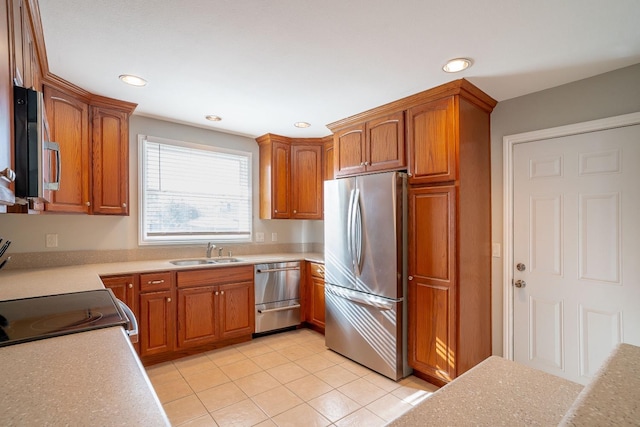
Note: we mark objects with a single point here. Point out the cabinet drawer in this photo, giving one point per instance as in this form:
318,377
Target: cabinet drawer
155,281
215,276
317,270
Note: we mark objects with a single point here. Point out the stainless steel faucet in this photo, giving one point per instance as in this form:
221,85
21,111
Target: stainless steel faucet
210,247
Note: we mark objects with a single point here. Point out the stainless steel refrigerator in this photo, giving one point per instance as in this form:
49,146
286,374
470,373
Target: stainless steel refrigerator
365,270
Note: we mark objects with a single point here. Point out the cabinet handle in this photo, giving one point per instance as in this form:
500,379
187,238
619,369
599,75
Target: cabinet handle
320,271
124,205
221,292
87,203
275,210
361,163
410,277
295,211
130,285
168,299
366,163
217,293
155,282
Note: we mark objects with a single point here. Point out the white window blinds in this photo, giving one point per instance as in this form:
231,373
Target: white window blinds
194,192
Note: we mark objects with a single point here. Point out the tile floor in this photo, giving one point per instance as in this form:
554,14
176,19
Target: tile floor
287,379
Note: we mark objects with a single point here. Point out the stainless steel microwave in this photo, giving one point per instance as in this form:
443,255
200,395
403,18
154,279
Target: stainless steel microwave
37,159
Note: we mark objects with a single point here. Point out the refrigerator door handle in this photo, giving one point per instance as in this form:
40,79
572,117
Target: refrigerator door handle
359,298
350,227
357,233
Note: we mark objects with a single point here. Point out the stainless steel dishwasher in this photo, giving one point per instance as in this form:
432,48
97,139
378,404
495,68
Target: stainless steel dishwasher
277,288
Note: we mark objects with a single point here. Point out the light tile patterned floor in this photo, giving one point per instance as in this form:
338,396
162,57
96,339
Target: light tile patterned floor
287,379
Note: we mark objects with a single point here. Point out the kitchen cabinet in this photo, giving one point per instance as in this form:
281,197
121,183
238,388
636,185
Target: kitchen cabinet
315,296
449,310
157,314
214,304
291,175
432,141
93,133
110,160
125,288
372,146
328,158
68,118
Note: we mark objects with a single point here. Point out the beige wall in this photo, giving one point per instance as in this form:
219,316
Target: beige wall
96,232
607,95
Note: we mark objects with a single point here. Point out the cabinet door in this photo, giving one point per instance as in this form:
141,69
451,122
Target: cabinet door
124,288
69,126
17,13
385,143
110,152
328,160
237,309
157,323
306,181
317,301
432,279
432,141
349,151
281,172
197,314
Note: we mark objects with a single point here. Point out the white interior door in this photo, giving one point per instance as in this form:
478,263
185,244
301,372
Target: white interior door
576,234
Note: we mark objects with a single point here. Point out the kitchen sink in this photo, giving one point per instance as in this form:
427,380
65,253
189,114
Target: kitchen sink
192,261
203,261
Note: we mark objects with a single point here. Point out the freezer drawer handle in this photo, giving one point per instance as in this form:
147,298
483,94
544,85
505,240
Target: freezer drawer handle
273,270
361,300
272,310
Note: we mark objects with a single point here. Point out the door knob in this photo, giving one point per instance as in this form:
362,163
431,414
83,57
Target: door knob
521,267
520,284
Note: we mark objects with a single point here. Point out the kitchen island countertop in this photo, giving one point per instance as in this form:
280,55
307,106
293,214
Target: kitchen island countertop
87,378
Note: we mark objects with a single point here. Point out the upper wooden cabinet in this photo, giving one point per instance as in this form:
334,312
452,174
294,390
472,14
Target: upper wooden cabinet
372,146
110,154
94,152
328,158
68,119
432,141
291,175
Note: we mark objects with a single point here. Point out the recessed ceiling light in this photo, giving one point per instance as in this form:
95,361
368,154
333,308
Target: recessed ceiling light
456,65
132,80
302,124
213,118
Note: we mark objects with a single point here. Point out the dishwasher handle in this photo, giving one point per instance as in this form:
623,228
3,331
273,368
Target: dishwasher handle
272,310
133,322
273,270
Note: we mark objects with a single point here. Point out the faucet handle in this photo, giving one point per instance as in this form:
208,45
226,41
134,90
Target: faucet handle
220,252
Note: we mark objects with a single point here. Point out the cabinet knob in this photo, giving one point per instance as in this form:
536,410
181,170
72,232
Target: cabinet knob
275,210
361,163
130,285
217,293
221,292
295,211
366,163
87,203
168,299
410,277
124,205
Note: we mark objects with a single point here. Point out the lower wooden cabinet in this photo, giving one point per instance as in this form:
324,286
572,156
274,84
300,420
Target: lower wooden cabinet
315,296
185,312
214,304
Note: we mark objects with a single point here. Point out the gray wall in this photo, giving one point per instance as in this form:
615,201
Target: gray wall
99,232
606,95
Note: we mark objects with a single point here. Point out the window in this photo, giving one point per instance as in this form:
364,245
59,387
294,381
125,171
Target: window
193,192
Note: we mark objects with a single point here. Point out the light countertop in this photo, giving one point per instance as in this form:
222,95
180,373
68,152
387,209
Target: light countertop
496,392
88,378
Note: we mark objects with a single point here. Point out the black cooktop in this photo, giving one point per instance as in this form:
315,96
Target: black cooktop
30,319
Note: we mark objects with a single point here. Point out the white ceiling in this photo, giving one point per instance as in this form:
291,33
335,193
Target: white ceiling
264,64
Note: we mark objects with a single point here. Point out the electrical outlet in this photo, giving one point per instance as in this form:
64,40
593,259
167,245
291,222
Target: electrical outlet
274,237
51,241
259,236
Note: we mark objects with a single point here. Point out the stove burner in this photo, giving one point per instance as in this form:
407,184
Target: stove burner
69,320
